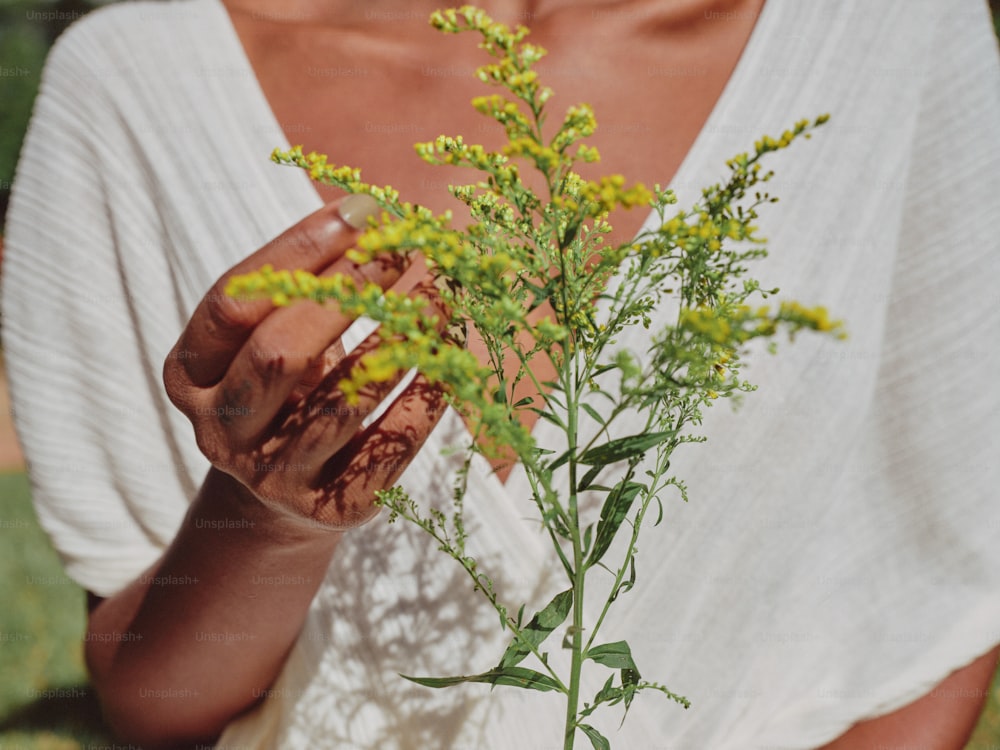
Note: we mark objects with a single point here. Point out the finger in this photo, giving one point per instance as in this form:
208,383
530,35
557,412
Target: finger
315,427
316,373
221,324
330,420
375,458
286,347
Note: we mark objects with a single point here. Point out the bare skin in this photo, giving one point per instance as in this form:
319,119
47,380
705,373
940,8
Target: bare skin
259,392
407,83
944,719
206,629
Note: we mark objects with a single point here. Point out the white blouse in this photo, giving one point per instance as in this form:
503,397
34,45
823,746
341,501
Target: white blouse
838,556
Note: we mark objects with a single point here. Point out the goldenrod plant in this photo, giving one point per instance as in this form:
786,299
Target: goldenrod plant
533,274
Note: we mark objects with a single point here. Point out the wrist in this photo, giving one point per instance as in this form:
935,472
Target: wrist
225,503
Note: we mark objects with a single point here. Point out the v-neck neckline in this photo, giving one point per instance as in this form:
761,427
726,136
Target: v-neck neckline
262,111
261,108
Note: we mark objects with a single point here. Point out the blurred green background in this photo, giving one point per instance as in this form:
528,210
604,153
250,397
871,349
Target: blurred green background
45,703
27,30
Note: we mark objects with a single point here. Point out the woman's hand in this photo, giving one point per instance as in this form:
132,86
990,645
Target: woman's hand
259,383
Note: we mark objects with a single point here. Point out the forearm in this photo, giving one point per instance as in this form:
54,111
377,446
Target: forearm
198,637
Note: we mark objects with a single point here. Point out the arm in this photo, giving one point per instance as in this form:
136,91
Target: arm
111,479
943,718
198,637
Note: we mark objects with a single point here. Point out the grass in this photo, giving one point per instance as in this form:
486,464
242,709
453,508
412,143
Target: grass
45,702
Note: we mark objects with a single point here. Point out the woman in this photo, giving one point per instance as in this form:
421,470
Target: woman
232,599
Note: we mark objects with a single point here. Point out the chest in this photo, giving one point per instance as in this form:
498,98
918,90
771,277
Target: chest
364,95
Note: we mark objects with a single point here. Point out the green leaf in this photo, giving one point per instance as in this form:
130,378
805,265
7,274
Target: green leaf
513,676
614,511
622,448
536,631
616,655
604,393
548,416
608,693
559,461
630,685
603,369
589,477
567,641
593,413
598,740
625,586
587,538
550,397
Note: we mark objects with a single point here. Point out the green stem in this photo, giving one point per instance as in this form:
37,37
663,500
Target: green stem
573,697
579,571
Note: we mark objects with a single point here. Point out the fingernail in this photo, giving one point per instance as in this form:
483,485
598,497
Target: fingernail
355,210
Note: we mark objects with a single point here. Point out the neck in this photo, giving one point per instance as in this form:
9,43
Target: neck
402,12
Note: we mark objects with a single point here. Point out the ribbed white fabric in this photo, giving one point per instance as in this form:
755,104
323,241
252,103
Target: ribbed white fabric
838,556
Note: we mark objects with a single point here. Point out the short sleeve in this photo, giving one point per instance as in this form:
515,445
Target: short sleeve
939,404
108,480
923,599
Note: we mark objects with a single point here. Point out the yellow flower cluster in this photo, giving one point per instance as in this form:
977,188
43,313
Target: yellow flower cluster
412,336
415,231
506,112
767,143
438,362
815,318
284,286
707,322
507,73
514,69
730,327
498,39
346,178
455,151
610,192
705,231
578,123
544,158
